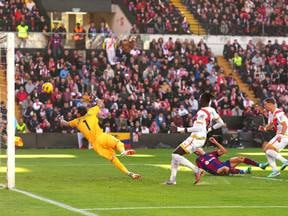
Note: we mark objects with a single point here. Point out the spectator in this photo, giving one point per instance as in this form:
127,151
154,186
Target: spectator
55,44
79,36
236,111
21,127
22,30
92,33
110,49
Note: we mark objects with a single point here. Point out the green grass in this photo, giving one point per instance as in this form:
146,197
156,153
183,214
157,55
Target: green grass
87,181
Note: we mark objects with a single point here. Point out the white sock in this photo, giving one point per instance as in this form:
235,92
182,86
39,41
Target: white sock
174,168
272,163
185,162
276,155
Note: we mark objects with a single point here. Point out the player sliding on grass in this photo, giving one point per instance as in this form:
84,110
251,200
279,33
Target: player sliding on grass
104,144
279,121
201,126
209,161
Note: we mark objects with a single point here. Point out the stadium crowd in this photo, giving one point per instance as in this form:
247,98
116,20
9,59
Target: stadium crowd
3,123
263,66
157,17
245,17
15,12
147,91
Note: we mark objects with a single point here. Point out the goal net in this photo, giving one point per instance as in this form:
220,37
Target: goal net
7,108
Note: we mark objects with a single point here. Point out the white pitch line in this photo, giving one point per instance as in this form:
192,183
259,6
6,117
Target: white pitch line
182,207
271,179
53,202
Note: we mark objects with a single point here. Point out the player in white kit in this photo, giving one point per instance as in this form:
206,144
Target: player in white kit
201,126
278,121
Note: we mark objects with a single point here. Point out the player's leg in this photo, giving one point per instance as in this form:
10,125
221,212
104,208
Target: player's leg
179,159
232,163
174,168
272,153
195,141
239,171
101,148
235,161
269,151
112,143
279,147
224,170
115,143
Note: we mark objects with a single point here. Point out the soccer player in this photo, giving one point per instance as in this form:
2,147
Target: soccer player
209,161
104,144
279,121
201,126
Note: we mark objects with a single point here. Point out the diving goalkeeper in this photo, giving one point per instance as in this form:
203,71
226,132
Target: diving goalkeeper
104,144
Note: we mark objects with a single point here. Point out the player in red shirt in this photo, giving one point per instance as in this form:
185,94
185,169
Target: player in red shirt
210,161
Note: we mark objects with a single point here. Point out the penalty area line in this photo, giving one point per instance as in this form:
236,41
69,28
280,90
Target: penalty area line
56,203
182,207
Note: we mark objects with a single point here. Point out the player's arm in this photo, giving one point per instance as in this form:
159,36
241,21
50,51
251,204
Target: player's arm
219,124
267,127
219,121
284,128
185,130
221,150
65,123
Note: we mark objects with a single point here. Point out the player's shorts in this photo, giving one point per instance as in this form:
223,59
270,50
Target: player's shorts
227,164
279,145
193,142
105,144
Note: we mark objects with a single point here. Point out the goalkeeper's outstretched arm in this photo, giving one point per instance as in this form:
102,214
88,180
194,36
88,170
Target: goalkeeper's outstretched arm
63,123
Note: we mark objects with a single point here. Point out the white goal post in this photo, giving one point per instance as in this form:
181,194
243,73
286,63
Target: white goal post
10,110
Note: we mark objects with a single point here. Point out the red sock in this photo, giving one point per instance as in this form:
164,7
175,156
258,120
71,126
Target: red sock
236,171
251,162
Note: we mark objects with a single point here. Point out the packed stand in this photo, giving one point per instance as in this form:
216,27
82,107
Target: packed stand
157,17
15,13
3,124
263,66
246,17
145,91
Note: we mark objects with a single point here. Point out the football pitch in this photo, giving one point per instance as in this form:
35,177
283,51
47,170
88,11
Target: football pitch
79,182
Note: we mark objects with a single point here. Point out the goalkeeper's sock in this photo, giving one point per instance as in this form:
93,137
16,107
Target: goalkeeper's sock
119,165
251,162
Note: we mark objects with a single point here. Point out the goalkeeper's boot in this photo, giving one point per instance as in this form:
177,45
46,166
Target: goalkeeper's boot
134,176
128,152
284,165
263,165
273,174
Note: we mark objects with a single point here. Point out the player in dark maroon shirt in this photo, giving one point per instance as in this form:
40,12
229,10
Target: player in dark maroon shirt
210,161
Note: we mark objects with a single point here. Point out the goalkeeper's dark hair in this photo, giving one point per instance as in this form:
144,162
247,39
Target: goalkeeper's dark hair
82,110
270,100
205,99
